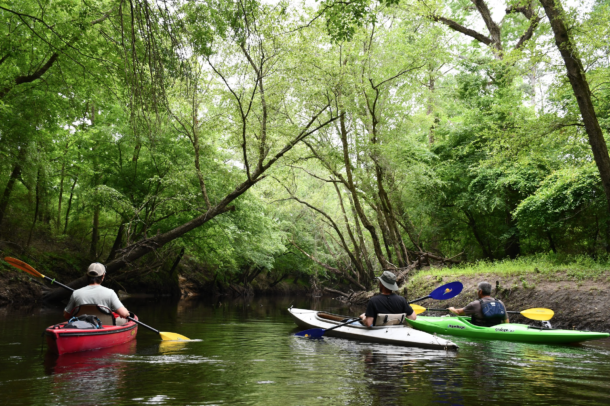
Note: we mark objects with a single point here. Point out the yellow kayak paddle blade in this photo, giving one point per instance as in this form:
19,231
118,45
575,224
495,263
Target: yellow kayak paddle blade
418,309
538,313
165,336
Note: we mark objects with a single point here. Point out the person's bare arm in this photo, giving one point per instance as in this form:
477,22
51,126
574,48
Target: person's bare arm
412,316
459,312
367,321
67,315
123,312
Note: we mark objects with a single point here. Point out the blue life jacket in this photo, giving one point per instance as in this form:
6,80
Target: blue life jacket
493,312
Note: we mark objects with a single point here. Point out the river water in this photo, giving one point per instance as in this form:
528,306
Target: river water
247,355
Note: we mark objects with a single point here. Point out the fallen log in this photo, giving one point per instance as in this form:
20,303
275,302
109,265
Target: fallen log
338,292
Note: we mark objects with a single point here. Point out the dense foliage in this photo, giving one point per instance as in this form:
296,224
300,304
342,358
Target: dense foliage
324,143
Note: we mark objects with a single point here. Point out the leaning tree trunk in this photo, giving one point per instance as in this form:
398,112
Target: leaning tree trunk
580,87
359,209
145,246
11,183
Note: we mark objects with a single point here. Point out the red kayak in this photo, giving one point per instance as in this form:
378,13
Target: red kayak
66,340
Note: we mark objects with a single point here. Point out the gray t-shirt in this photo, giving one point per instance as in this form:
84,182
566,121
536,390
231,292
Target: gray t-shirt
94,294
473,309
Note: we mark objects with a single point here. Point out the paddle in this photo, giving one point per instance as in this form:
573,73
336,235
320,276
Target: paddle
319,332
444,292
537,313
27,268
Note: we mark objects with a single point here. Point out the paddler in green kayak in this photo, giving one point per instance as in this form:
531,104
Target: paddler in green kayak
486,311
95,294
387,308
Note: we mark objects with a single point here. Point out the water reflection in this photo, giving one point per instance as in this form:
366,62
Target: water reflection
248,355
89,375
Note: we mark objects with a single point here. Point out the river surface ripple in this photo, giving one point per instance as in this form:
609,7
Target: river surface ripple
247,355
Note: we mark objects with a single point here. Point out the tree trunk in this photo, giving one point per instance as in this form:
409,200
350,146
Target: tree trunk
473,225
580,87
384,233
347,226
551,242
365,254
430,109
35,210
61,188
512,247
330,268
354,260
70,205
11,183
118,241
176,261
95,236
281,278
359,209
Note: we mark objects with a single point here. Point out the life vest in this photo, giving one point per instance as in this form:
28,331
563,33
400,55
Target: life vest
493,312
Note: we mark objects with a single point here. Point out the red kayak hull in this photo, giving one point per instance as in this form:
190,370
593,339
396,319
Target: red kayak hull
68,340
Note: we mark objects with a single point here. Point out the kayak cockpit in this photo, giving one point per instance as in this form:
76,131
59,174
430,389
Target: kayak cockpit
338,319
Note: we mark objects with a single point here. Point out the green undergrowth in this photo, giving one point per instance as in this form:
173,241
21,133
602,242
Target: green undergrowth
573,267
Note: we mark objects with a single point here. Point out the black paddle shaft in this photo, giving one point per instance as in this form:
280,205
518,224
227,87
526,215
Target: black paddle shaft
53,281
420,299
143,325
446,310
342,324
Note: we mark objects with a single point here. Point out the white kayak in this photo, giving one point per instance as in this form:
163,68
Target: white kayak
396,335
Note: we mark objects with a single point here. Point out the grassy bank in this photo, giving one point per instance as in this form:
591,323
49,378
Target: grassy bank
571,267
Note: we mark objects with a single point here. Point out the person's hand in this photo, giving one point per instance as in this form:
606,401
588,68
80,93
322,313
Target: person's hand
452,310
362,317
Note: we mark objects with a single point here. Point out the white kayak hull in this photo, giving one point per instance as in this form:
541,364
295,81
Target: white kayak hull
402,335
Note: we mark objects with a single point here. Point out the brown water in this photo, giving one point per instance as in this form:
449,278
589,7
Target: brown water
248,355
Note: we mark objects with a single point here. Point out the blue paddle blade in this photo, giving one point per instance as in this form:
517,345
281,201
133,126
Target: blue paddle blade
311,333
447,291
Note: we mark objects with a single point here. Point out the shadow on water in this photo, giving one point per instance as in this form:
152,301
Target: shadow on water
245,353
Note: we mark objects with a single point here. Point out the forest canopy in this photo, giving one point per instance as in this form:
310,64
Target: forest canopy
322,140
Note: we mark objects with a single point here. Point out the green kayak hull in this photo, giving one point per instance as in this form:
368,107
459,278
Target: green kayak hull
461,327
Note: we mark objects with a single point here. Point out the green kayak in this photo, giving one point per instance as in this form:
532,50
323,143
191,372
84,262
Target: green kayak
461,327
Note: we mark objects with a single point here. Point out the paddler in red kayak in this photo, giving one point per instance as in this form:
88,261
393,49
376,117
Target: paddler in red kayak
96,294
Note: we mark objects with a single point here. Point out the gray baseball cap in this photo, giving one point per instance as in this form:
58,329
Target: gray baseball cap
96,269
388,279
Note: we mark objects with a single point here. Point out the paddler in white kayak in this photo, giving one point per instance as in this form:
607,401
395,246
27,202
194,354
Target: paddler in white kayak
486,311
387,308
91,297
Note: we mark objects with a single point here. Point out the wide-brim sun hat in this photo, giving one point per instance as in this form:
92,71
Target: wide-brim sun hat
388,279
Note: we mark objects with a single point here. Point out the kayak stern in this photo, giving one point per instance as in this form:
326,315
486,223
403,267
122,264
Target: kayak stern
62,341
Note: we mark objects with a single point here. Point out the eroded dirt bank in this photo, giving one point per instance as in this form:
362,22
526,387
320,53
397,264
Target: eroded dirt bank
582,305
